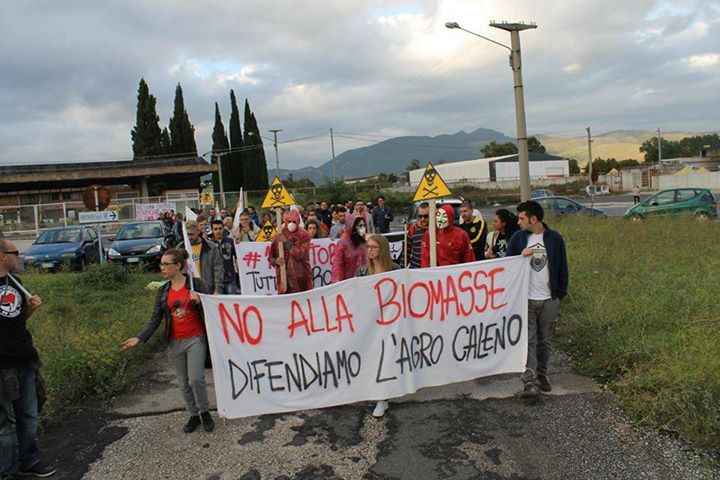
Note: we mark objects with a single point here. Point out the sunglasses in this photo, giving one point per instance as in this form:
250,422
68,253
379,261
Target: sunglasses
12,252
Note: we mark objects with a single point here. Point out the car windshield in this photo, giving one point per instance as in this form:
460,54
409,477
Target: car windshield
58,236
135,231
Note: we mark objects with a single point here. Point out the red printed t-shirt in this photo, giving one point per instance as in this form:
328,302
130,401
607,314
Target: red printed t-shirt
185,321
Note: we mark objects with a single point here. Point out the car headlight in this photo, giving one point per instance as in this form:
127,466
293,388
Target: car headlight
155,249
113,253
29,258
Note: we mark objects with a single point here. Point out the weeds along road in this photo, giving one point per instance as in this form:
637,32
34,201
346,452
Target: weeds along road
469,430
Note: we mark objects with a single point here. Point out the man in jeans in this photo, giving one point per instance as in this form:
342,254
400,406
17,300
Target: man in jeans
227,250
19,365
548,286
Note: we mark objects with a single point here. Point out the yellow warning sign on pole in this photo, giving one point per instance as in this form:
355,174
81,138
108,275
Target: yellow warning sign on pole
266,232
431,185
277,196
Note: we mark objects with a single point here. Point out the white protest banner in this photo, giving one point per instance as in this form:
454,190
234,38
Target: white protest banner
151,211
190,215
257,276
367,338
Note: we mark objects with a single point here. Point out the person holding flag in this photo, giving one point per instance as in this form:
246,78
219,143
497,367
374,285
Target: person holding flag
296,255
178,302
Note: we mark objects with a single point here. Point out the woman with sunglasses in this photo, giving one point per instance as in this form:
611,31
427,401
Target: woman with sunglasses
378,260
350,249
178,301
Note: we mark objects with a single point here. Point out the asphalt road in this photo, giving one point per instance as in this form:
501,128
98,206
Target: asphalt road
471,430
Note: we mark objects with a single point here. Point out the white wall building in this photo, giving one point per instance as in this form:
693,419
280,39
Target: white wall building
498,169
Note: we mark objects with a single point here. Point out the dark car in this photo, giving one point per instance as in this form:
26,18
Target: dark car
76,246
141,242
561,206
694,201
535,194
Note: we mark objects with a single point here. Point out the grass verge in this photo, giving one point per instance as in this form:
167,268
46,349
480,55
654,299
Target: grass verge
79,329
642,315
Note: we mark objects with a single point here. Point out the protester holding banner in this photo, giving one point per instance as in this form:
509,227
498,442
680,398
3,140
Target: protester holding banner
350,250
206,256
296,255
548,286
415,234
246,231
20,383
227,250
178,302
504,226
453,244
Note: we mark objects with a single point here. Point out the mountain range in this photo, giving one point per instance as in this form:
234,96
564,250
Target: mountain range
395,154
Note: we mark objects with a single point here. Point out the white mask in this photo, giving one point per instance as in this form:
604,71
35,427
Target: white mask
292,226
361,231
441,219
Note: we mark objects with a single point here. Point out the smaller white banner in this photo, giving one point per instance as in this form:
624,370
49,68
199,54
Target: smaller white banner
151,211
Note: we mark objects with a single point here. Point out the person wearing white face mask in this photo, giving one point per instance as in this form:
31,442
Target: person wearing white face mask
296,255
350,250
453,244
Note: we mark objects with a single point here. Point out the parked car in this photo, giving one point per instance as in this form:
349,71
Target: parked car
561,206
76,246
694,201
541,193
141,243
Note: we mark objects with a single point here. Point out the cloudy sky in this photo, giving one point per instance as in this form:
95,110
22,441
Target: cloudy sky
371,69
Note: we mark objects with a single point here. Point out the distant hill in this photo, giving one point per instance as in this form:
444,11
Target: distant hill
395,154
618,144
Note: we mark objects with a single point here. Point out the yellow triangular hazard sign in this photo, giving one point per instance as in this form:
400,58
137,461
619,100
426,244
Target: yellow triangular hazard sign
431,185
277,196
266,232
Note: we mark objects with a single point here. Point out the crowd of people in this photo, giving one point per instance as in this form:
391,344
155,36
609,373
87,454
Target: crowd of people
361,250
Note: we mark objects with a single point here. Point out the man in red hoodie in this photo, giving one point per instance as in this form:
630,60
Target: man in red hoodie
296,255
453,244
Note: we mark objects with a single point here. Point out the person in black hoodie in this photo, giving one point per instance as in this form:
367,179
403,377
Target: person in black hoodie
20,384
548,286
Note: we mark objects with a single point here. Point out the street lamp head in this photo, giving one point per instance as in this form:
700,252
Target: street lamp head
452,25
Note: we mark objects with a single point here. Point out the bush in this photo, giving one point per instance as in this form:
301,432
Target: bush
642,315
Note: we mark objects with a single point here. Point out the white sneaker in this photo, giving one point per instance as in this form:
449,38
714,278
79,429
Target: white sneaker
380,408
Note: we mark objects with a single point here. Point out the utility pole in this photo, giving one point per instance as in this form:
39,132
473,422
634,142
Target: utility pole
659,138
277,152
516,65
332,146
590,175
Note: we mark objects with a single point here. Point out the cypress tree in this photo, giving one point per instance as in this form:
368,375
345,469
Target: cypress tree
182,133
255,165
165,146
220,145
146,133
235,179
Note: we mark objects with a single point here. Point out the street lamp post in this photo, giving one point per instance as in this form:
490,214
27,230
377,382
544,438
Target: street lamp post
277,151
515,65
218,157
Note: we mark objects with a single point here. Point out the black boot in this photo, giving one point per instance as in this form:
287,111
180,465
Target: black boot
192,424
207,421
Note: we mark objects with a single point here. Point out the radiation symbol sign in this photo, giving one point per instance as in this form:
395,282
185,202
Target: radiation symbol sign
431,185
266,232
277,196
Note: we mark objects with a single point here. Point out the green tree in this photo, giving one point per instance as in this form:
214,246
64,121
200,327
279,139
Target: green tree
146,135
165,144
494,149
255,164
630,162
534,145
574,167
220,145
414,165
670,149
235,160
182,133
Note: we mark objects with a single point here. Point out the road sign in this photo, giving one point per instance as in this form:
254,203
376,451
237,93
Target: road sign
96,197
431,185
99,217
277,196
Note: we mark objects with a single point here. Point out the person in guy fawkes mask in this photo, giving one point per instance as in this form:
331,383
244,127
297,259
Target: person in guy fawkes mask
350,250
296,255
453,244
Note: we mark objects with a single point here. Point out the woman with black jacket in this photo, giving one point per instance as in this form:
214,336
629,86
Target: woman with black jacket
185,337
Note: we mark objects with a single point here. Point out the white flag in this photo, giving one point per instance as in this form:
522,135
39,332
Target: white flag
239,209
190,215
192,269
217,212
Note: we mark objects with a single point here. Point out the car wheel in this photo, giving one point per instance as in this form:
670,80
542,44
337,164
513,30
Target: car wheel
636,217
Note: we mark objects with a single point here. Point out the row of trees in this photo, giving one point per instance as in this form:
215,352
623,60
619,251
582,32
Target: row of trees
242,154
687,147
